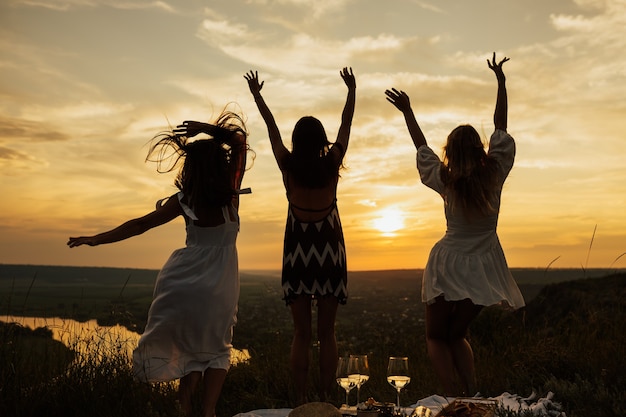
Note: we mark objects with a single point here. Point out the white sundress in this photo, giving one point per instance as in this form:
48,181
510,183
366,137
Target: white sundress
468,262
194,309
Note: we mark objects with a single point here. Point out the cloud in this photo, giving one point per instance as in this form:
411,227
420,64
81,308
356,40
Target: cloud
217,31
16,163
314,8
8,154
66,5
428,6
20,130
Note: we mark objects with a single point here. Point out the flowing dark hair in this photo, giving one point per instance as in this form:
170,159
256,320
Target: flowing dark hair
308,162
209,171
469,174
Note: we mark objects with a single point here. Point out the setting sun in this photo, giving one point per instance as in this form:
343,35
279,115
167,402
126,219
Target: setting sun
389,221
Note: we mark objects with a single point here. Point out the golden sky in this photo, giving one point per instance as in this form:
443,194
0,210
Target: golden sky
85,84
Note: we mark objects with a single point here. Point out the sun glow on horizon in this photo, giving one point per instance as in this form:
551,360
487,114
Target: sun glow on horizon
389,221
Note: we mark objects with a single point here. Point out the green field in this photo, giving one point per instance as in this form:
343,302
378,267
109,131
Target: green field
123,295
569,340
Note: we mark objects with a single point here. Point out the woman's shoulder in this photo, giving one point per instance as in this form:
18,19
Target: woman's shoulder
502,149
501,141
500,136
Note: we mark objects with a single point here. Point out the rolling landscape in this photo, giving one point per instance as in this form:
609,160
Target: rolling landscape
569,340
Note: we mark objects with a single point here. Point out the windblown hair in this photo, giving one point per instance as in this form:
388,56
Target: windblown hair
469,174
309,162
209,171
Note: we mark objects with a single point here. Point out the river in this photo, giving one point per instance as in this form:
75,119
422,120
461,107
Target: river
90,338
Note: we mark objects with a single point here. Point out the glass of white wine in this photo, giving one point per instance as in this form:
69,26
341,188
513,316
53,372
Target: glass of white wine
359,368
398,374
344,378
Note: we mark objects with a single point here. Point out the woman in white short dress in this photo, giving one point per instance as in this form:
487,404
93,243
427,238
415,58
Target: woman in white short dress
190,322
466,269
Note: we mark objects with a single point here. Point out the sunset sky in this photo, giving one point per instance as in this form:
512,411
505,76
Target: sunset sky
85,84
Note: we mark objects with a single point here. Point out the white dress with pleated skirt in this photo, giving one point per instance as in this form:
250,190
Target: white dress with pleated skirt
194,309
468,262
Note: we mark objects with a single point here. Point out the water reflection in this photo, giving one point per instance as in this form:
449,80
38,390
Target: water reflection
92,339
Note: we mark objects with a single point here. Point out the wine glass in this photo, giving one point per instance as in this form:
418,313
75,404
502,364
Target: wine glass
344,379
398,374
359,367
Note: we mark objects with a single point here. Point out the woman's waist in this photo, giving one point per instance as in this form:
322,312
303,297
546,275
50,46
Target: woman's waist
463,241
307,215
210,241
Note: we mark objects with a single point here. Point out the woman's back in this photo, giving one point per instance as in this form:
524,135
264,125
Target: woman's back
310,204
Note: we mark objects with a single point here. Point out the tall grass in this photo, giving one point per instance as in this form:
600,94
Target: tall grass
40,377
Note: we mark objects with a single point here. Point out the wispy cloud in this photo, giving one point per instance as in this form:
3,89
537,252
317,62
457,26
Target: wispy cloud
314,8
65,5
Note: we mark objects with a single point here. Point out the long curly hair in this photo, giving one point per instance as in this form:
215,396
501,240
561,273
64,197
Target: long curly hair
308,162
208,175
470,176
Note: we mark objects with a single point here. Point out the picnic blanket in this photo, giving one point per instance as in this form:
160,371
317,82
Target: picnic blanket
538,406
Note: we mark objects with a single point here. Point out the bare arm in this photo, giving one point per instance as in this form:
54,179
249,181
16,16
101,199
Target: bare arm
400,99
163,214
343,135
279,149
501,111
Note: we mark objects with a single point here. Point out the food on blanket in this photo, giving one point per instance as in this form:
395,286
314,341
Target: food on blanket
367,404
366,408
315,409
422,411
469,407
373,408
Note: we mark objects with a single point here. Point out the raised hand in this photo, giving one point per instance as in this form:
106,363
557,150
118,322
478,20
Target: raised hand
348,77
253,82
190,128
497,67
400,99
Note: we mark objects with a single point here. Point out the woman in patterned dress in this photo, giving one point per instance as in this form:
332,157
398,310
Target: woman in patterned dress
314,258
466,269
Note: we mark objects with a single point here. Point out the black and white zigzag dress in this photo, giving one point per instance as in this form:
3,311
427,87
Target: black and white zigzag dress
314,258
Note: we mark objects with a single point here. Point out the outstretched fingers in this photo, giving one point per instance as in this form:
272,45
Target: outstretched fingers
253,81
348,77
398,98
493,64
182,129
251,75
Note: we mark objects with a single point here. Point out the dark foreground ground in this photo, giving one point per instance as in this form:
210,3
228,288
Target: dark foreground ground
568,340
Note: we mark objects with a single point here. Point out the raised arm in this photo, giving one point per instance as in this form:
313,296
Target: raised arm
343,135
501,111
163,214
280,151
401,101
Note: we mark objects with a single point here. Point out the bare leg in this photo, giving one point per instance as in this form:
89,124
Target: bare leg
464,312
439,351
186,389
327,311
300,346
447,323
213,382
